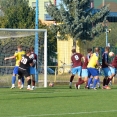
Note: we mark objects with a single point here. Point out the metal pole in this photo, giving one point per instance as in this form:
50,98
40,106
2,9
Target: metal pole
103,2
106,36
36,38
45,59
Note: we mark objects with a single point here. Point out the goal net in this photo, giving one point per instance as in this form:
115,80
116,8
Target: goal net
10,39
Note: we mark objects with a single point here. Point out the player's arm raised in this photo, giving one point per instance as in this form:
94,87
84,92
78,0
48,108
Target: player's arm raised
11,57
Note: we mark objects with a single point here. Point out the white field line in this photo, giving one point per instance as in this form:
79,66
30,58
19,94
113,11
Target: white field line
60,114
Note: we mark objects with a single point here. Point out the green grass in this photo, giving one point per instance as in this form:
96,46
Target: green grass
58,101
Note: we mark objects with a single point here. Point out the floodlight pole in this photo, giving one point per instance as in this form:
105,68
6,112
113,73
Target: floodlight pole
36,38
106,36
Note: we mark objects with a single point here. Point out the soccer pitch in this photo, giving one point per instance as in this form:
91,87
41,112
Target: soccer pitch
58,101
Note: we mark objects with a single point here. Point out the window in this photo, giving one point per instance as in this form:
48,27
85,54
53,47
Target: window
46,4
48,17
34,4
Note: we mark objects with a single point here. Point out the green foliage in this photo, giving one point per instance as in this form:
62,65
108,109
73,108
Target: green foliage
17,14
76,18
100,41
52,42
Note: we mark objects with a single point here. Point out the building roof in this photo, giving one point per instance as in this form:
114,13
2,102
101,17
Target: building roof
111,14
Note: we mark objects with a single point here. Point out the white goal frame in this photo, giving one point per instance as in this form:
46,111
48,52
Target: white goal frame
45,46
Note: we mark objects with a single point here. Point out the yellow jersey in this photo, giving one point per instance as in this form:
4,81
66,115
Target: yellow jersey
18,56
93,60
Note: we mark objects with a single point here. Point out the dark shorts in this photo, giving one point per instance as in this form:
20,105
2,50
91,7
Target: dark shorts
23,73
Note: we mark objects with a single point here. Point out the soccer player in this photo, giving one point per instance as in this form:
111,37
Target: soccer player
33,68
76,67
84,69
105,68
92,68
25,63
113,67
18,55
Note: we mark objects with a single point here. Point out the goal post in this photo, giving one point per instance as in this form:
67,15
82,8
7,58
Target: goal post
6,33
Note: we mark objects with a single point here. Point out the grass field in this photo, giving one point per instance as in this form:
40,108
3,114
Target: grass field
58,101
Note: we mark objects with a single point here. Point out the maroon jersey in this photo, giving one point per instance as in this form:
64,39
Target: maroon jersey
85,63
34,57
76,59
114,62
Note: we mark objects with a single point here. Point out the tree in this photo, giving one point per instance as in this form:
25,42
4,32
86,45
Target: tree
77,19
52,43
17,14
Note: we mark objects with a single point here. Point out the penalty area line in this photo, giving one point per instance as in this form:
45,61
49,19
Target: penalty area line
77,113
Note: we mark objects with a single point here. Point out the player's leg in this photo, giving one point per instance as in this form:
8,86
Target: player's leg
28,78
113,71
32,73
90,78
29,83
85,76
20,76
107,73
21,82
73,71
95,73
15,71
98,83
80,81
71,80
33,81
22,85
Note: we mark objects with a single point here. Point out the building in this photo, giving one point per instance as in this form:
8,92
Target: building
99,3
112,17
43,15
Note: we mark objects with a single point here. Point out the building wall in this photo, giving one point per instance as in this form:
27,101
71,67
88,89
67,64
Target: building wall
64,48
42,10
112,3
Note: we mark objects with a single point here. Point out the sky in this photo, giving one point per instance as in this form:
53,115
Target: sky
58,1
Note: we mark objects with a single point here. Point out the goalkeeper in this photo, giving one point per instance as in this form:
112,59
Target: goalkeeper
18,56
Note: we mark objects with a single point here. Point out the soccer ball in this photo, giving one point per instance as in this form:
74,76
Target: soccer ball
51,84
111,54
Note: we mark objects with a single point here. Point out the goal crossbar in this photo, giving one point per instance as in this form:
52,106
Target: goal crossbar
45,46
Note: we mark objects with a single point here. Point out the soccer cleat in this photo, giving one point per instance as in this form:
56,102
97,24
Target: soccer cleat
33,88
95,88
107,87
12,87
104,87
99,87
29,89
21,87
86,87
